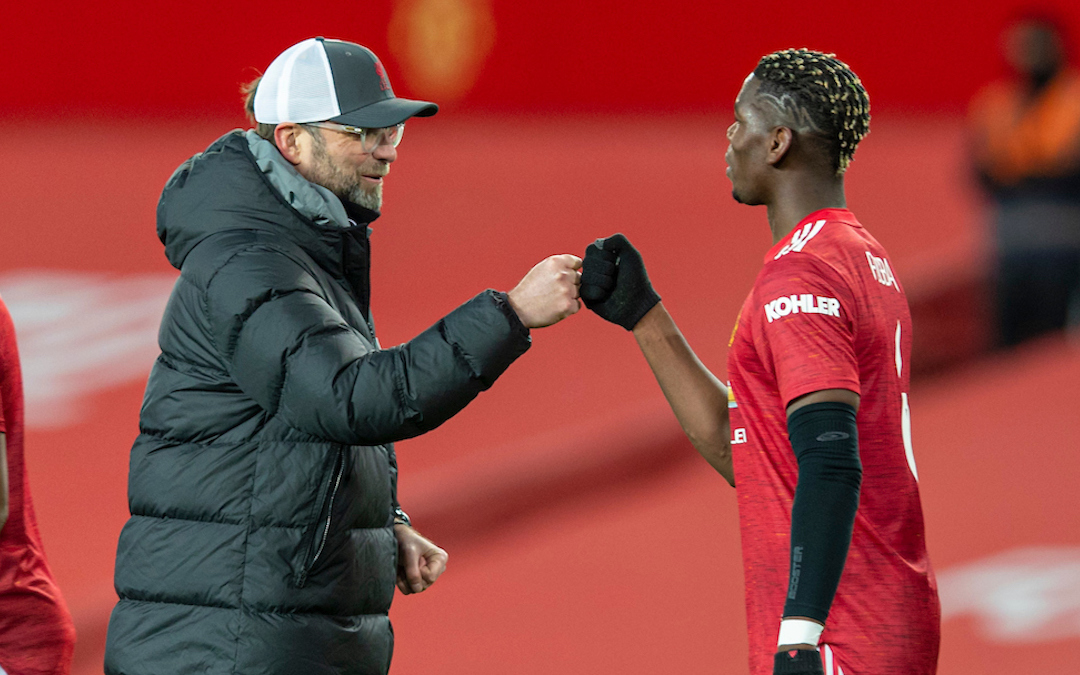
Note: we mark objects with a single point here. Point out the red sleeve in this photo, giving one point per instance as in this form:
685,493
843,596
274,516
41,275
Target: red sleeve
4,357
805,320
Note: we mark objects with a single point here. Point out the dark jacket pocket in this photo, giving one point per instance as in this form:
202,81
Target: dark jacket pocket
316,534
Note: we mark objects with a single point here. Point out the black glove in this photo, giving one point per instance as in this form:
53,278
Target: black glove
614,283
798,662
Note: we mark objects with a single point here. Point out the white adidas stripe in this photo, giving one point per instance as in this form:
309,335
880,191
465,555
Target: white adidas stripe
830,663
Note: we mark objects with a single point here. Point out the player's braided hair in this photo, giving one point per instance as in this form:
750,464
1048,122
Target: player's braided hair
825,91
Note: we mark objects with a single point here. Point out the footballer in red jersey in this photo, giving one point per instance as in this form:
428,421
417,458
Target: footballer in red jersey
827,312
814,431
36,633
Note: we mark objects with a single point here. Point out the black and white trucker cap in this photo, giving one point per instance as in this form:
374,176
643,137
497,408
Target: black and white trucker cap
321,80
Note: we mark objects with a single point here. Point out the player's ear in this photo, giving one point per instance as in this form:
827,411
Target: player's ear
779,144
287,140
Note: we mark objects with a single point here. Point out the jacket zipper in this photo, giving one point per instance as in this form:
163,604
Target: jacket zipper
339,470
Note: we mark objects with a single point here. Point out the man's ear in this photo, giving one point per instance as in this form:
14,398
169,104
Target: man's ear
780,142
287,139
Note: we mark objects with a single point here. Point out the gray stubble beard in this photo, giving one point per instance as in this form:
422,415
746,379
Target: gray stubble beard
369,199
347,187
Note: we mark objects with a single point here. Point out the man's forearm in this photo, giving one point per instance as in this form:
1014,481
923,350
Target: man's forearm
824,439
698,399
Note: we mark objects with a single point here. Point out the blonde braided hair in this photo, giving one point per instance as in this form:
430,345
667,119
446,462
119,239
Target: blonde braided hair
829,99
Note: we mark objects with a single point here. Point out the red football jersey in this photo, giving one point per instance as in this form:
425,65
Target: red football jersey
36,633
827,312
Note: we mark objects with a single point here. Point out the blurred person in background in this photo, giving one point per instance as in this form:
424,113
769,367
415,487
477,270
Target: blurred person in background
814,429
36,633
265,532
1025,137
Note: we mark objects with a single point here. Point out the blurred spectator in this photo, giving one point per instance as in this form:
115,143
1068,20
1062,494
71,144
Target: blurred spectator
36,633
1026,147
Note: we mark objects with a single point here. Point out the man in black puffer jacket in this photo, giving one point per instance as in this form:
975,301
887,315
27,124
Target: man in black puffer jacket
265,535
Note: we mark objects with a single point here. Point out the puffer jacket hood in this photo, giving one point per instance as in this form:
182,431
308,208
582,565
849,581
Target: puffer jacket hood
216,190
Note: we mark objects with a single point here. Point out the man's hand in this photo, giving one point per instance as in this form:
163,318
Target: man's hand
420,562
798,662
614,283
549,292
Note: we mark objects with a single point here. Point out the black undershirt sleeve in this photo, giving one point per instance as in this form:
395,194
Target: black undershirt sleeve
825,440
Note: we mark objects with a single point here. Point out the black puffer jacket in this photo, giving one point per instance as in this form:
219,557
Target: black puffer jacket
263,481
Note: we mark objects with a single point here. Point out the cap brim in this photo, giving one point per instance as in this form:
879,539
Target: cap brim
387,113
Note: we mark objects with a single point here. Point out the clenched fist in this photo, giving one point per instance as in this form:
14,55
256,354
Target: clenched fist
549,292
616,285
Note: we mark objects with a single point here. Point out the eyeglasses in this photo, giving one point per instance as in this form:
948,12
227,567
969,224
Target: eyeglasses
369,138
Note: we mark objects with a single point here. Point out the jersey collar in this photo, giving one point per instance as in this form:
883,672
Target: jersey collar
803,230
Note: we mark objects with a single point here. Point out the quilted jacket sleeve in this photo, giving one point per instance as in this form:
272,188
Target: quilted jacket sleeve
294,354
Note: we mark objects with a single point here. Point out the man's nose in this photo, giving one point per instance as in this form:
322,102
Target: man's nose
385,152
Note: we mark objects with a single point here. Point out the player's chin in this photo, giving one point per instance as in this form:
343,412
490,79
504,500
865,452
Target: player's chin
743,198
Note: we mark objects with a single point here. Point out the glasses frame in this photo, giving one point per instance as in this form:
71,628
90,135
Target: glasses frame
381,134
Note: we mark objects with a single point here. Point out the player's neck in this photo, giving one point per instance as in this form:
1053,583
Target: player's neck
797,200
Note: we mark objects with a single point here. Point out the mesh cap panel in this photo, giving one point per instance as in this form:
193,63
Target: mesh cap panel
297,87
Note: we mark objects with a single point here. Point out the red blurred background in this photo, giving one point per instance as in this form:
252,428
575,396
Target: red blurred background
585,535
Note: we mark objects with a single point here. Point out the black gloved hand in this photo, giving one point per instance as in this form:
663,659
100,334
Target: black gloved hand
614,283
798,662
